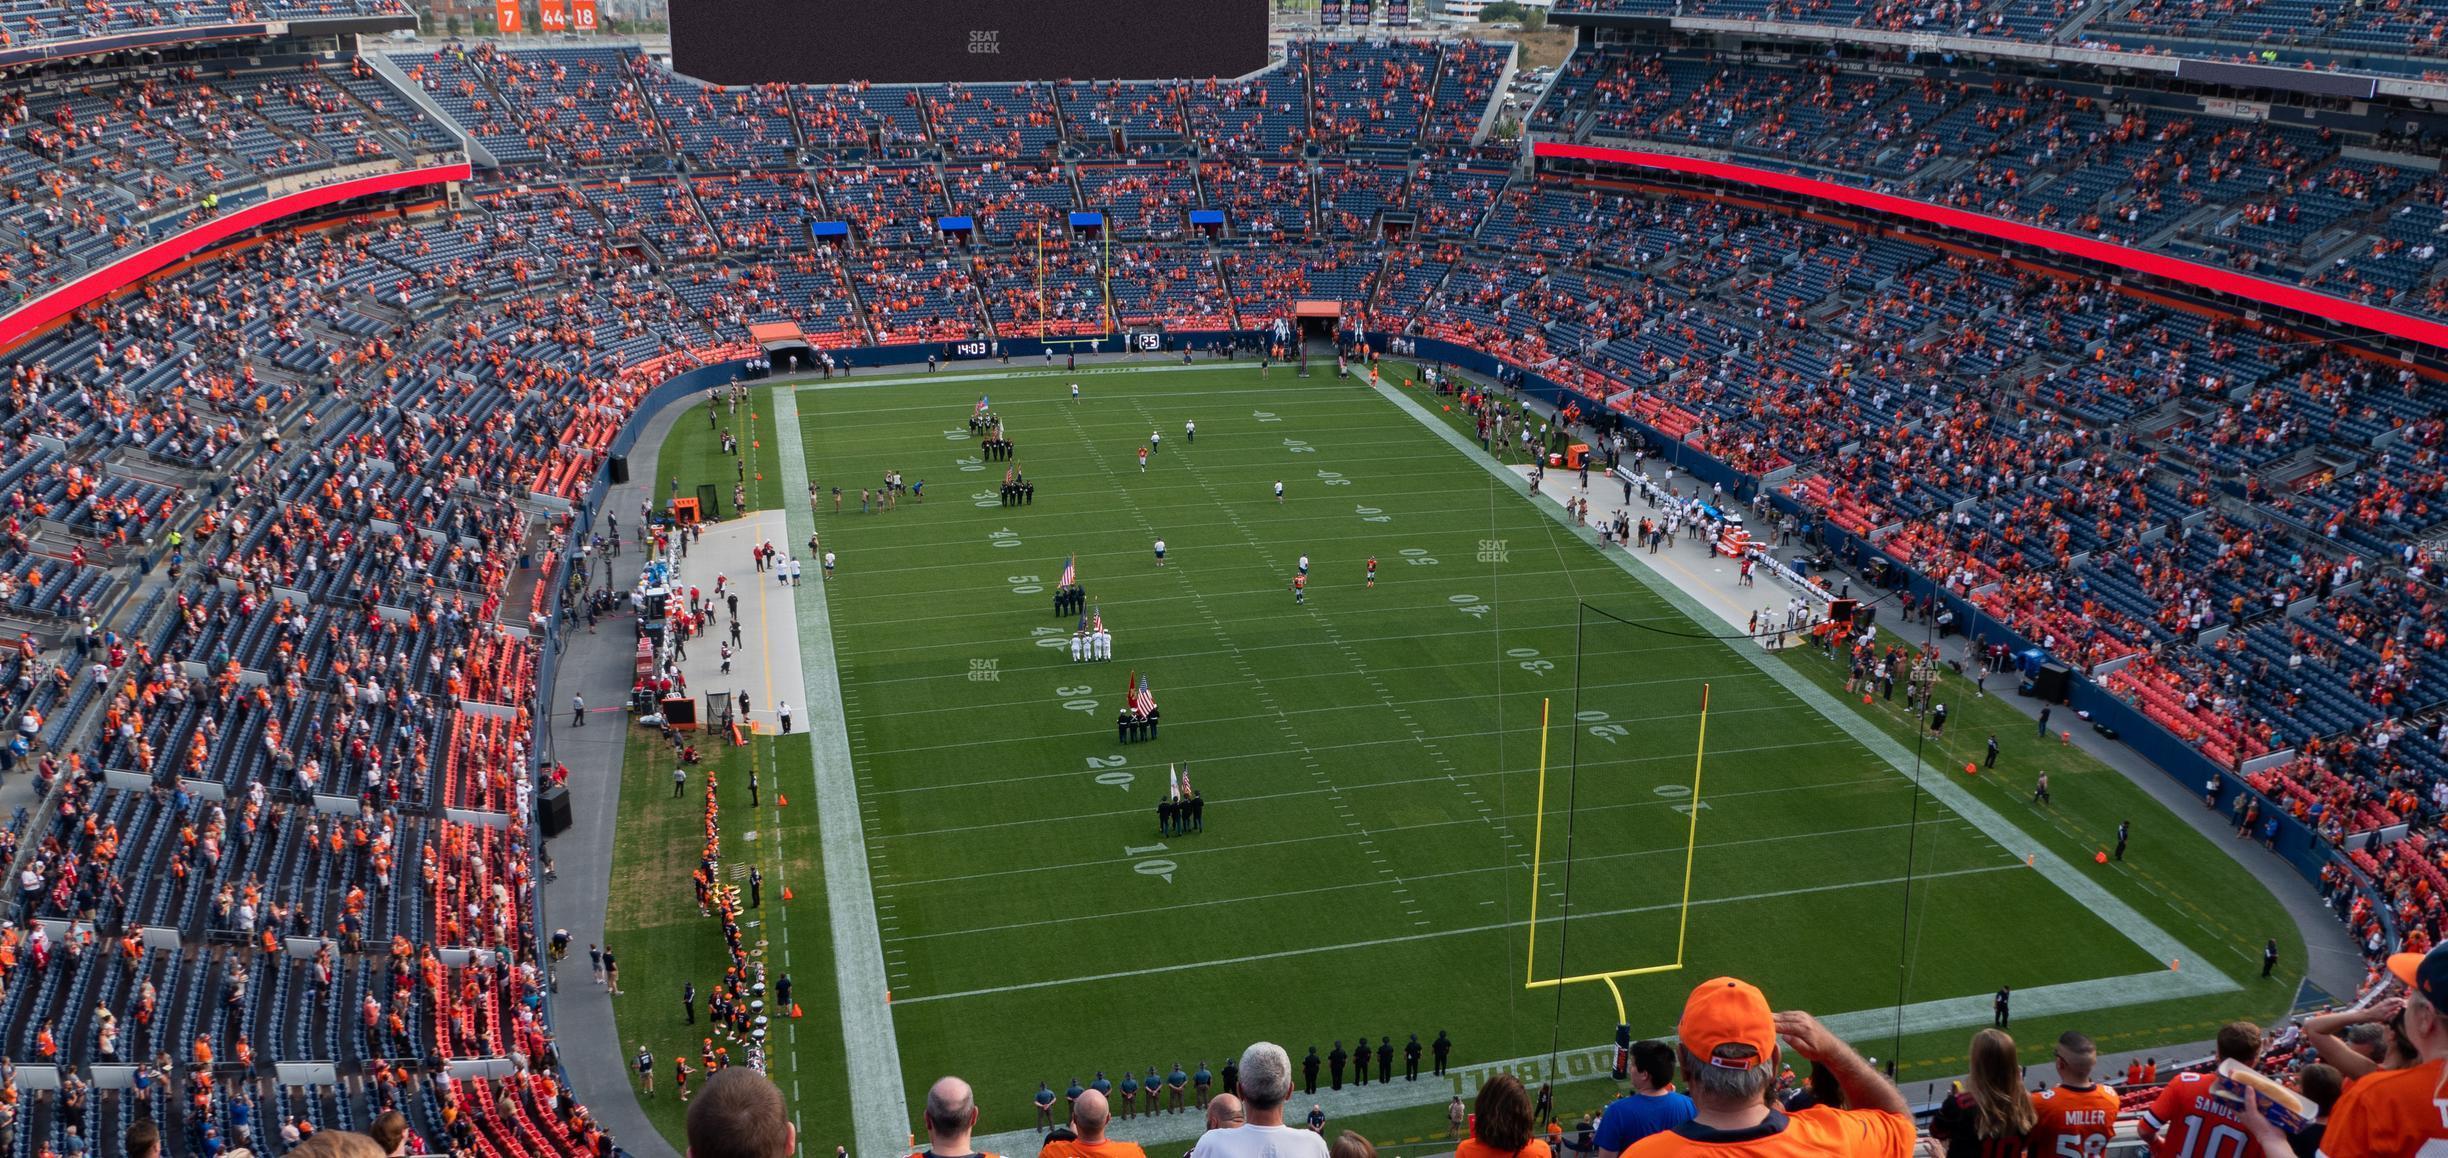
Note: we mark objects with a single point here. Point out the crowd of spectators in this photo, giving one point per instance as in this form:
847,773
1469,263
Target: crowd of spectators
2276,200
2218,521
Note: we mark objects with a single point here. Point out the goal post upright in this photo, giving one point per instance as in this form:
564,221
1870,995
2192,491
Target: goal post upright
1691,848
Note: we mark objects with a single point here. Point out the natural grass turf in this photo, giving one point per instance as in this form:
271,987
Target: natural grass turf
1370,761
654,923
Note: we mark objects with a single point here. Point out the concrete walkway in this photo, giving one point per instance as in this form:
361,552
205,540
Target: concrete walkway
598,667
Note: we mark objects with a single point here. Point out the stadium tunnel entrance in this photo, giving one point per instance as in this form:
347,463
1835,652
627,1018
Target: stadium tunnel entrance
784,345
1317,320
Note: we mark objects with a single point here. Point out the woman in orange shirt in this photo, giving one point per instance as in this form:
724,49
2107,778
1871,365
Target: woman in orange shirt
1501,1126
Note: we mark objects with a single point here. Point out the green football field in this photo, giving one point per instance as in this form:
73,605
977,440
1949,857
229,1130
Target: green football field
1370,759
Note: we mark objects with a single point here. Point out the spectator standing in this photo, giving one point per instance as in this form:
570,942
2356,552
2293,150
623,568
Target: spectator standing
2185,1107
1089,1116
951,1114
2076,1116
1729,1052
2393,1112
1990,1109
2324,1085
739,1114
1653,1106
2365,1044
1265,1083
2269,957
1501,1123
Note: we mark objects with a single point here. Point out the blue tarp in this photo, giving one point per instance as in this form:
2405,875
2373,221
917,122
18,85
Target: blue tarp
1087,221
824,229
1206,217
955,224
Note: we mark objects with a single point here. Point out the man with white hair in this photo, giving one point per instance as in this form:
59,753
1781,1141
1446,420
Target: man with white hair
1265,1083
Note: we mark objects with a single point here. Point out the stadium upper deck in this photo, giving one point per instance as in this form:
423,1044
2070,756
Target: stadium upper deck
345,616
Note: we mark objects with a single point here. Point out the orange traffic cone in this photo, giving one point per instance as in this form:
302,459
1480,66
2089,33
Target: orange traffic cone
2064,738
1971,769
786,893
2099,857
794,1011
781,800
888,997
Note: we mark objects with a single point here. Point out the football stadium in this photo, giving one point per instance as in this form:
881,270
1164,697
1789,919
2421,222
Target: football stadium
1052,577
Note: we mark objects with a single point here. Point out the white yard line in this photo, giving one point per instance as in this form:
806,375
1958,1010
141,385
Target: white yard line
1520,862
2074,881
1586,810
879,1105
1440,934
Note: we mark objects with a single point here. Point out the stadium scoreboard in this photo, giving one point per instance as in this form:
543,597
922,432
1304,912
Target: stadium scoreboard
735,42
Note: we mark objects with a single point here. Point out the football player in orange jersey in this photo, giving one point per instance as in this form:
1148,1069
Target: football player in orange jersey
2077,1117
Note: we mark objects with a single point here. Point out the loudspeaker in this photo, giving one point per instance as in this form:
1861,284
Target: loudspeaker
620,469
553,810
2051,681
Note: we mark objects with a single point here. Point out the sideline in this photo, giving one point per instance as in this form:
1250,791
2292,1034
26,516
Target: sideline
878,1101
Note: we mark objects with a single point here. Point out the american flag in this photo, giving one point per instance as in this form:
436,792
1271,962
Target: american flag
981,404
1096,619
1070,573
1137,695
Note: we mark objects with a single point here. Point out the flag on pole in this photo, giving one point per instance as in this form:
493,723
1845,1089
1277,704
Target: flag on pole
981,404
1173,776
1185,781
1083,624
1070,572
1096,619
1146,698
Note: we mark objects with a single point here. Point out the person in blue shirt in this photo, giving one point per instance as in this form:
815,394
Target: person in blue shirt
1653,1106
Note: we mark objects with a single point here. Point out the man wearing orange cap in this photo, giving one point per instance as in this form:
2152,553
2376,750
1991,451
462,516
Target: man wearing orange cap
1729,1061
2398,1111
